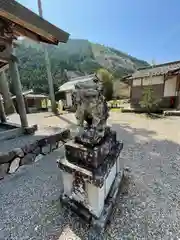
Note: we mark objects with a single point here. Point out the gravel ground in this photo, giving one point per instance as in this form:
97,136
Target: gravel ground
147,208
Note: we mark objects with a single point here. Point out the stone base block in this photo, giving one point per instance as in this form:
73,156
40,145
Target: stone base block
90,157
90,188
97,224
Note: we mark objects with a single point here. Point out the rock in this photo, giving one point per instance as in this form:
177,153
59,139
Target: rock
6,157
14,165
43,142
38,157
62,135
18,152
53,146
37,151
3,169
46,149
30,147
28,159
31,129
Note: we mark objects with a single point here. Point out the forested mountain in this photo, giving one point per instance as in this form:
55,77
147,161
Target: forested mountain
78,57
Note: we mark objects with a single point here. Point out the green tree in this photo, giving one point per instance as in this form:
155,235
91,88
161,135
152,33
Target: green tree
149,102
107,79
79,56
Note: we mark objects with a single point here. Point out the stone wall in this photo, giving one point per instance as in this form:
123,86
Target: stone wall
28,154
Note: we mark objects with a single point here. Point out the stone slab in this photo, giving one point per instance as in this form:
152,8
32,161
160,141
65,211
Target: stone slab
14,130
26,148
29,142
11,133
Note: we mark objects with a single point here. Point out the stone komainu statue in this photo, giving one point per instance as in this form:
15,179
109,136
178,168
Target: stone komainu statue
91,107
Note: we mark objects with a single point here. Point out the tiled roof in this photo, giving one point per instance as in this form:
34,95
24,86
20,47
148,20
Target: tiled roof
36,96
156,70
24,93
71,84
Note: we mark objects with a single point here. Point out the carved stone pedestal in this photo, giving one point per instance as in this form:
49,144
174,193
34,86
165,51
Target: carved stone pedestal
91,169
91,178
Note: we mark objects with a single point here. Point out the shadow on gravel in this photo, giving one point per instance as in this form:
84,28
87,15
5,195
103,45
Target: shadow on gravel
154,116
66,120
148,189
146,207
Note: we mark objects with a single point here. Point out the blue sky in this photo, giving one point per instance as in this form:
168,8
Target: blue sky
146,29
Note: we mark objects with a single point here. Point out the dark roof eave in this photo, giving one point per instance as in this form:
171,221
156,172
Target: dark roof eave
28,20
171,68
176,72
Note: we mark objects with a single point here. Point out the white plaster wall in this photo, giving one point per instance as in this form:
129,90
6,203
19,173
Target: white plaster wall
137,82
170,87
153,80
69,99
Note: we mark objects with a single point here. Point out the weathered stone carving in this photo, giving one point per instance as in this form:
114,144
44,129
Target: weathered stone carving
79,189
90,168
91,108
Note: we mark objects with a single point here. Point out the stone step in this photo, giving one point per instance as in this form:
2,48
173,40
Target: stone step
28,149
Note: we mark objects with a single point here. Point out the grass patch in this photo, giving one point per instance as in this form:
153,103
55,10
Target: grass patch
116,109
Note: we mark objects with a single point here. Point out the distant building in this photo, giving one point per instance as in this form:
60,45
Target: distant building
36,102
66,90
164,80
33,102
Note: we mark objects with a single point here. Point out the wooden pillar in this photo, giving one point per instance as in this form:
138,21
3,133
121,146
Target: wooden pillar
2,111
4,88
14,73
26,104
48,68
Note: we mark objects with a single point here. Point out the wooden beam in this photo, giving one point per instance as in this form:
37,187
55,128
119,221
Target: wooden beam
5,56
28,26
20,31
14,73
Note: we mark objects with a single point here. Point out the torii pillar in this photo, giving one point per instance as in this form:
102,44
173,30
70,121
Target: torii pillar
14,73
2,111
4,89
